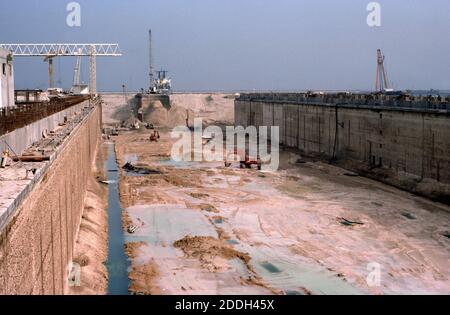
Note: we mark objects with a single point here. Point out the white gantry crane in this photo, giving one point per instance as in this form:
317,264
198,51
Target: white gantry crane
50,51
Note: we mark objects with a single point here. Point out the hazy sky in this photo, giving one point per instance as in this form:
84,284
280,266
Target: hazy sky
241,44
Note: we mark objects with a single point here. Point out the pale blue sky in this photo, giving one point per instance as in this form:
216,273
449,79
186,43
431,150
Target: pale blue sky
241,44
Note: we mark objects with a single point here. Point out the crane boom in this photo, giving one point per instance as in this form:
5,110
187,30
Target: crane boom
49,51
53,50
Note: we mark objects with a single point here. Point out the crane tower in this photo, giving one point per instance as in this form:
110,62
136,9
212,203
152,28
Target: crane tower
152,69
382,82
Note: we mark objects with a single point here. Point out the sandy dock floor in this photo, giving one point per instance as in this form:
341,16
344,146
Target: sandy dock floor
207,229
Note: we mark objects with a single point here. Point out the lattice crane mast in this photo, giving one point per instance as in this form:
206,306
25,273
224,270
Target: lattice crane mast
382,82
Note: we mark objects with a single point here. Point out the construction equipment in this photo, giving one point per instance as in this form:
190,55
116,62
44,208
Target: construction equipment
152,70
5,160
162,84
50,51
247,163
77,87
382,83
154,137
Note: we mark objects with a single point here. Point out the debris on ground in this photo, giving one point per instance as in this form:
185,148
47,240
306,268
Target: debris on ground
132,229
346,222
409,216
208,208
106,182
199,195
140,170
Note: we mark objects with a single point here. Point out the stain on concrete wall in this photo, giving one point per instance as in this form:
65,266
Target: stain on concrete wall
37,245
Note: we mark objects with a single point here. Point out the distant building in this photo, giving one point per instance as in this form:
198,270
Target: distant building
6,79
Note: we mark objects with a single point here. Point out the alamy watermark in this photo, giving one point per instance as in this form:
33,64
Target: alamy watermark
374,16
74,17
74,279
374,277
250,145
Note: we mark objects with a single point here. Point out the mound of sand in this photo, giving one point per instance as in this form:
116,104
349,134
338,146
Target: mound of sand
208,250
159,115
116,109
143,278
212,108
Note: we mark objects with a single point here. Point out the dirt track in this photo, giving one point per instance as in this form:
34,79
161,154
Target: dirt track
206,229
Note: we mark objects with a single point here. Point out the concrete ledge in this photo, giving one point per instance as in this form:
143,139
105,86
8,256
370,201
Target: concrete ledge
22,138
426,104
26,186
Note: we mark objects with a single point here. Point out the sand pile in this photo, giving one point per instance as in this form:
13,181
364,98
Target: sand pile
209,250
142,278
116,108
212,108
159,115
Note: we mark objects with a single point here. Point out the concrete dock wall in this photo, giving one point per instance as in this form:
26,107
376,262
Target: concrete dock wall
37,244
22,138
412,140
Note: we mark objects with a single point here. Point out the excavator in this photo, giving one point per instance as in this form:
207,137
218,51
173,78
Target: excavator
247,162
154,137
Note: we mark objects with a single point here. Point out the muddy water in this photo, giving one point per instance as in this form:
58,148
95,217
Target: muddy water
117,263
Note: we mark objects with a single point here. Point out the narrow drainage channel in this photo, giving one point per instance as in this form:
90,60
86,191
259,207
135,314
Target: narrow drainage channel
118,262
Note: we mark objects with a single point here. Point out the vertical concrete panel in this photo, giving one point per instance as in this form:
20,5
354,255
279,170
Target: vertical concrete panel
292,125
259,118
278,118
242,113
301,128
267,114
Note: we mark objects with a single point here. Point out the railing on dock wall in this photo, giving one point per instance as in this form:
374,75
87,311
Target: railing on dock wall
372,100
12,118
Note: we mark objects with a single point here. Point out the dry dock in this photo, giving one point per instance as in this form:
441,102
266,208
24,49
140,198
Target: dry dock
307,228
